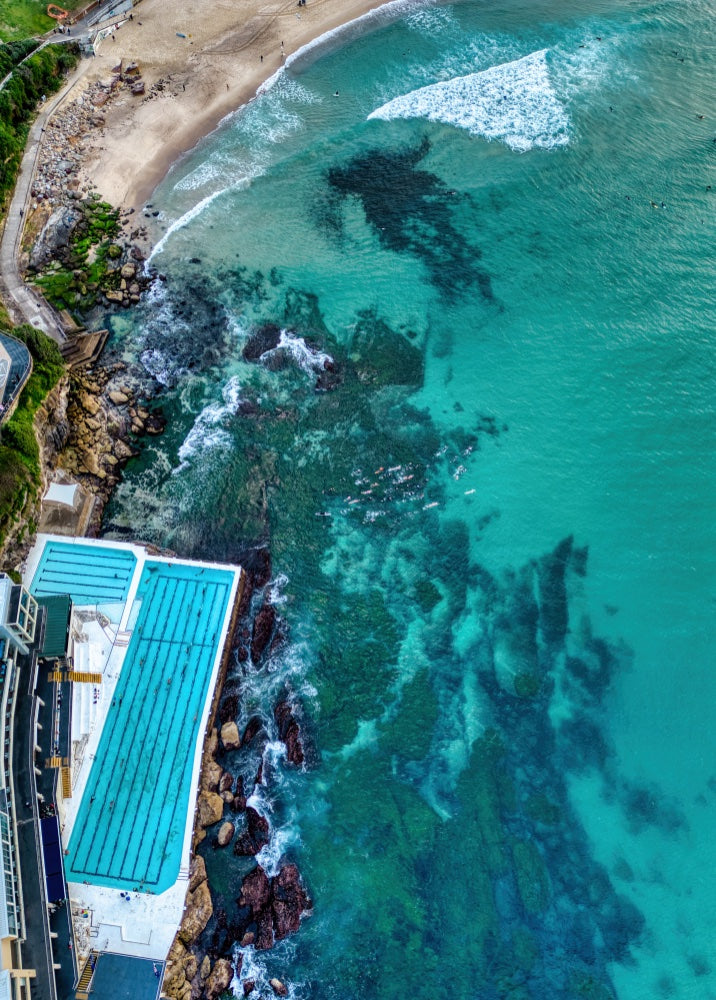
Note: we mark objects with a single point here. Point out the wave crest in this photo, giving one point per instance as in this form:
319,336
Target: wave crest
513,102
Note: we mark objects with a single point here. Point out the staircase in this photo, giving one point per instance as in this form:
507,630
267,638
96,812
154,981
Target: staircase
66,778
83,984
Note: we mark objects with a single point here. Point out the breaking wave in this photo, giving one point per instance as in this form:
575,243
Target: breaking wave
514,102
209,429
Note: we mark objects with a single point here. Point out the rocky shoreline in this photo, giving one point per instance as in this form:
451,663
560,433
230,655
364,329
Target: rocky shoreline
205,958
83,252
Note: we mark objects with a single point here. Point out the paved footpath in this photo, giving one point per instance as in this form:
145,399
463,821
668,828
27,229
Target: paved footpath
23,302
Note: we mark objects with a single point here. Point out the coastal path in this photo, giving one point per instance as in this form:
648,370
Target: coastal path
23,302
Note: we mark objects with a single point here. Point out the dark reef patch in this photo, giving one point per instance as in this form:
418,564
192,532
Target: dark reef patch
410,213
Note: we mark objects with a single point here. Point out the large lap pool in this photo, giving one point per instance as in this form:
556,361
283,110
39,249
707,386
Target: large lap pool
130,826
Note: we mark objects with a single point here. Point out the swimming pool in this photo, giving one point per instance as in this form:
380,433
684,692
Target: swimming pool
130,826
90,574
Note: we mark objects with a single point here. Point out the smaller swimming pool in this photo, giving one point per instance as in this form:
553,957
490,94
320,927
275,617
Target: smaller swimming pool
130,826
90,574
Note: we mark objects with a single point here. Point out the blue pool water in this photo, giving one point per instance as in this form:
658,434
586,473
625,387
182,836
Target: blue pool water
130,827
90,574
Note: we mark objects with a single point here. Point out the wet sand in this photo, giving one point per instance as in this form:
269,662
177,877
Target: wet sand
214,69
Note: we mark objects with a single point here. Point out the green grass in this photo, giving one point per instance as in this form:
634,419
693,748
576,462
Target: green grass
22,18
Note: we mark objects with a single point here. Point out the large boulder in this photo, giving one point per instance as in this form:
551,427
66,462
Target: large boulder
55,236
175,976
197,872
219,979
197,913
210,807
278,987
225,834
230,736
210,775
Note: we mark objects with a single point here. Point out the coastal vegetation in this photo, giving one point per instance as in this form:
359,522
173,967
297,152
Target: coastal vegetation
12,53
29,83
91,261
41,75
19,451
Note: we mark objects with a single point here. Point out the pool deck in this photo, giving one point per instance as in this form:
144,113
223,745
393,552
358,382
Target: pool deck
115,917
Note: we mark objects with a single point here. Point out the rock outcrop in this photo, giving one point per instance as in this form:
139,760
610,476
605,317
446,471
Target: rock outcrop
55,236
263,629
218,979
289,732
199,909
275,905
256,834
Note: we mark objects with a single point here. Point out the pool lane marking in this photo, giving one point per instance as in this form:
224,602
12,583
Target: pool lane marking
211,606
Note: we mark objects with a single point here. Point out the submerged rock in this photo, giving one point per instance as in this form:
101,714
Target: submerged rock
289,732
264,339
263,628
255,836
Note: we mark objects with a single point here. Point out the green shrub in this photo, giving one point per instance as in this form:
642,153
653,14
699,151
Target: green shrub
41,74
19,450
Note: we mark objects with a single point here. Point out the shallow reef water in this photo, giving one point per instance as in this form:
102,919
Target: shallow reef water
457,376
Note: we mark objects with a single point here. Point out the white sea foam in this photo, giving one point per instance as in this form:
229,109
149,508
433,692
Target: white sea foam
185,219
253,969
312,50
275,589
158,366
513,102
269,857
306,357
209,429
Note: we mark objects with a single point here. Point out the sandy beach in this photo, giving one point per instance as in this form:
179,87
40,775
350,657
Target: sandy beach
227,52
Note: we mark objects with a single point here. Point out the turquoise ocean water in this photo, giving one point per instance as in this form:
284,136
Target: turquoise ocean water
493,538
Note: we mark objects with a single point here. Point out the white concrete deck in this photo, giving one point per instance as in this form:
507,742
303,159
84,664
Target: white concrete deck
103,919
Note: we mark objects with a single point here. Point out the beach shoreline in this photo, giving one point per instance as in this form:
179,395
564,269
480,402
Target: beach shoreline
196,71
